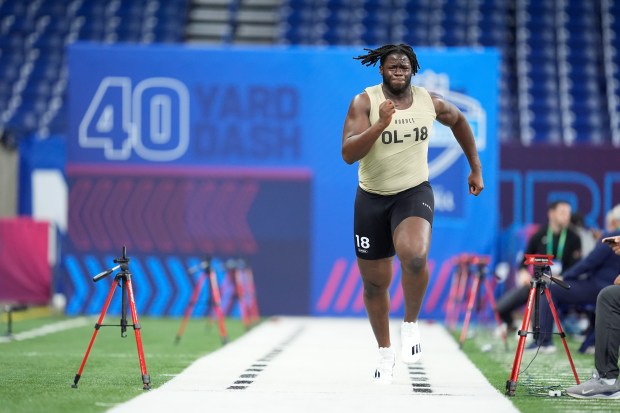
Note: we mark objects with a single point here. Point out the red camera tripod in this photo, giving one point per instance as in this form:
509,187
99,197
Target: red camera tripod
542,268
481,264
122,279
215,300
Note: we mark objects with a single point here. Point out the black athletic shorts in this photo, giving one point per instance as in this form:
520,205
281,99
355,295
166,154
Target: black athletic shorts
377,216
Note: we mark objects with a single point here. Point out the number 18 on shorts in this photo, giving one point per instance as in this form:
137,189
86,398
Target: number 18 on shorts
362,244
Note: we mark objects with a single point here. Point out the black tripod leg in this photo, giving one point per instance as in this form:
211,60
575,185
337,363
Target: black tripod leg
536,327
123,324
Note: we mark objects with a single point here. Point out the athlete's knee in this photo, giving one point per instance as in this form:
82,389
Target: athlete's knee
372,289
414,262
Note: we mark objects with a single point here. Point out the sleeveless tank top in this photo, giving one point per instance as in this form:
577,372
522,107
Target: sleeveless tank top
398,160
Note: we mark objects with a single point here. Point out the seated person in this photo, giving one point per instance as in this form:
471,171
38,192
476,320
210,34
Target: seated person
555,238
589,236
604,382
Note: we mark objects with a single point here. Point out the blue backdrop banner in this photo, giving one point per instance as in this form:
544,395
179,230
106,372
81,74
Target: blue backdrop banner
183,152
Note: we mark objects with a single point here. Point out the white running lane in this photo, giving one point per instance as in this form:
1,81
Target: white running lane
294,364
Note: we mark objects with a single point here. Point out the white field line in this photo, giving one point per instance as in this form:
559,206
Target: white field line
46,329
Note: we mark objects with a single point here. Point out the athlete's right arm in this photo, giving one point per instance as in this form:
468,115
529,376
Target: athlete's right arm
358,134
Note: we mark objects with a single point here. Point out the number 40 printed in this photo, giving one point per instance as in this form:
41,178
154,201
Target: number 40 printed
151,119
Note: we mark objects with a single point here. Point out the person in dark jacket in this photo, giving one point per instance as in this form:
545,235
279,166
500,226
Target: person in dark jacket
557,239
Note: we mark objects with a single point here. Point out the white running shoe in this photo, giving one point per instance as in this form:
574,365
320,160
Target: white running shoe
385,366
410,342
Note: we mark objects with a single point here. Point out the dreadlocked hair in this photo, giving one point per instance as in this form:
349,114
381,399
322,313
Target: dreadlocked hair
380,54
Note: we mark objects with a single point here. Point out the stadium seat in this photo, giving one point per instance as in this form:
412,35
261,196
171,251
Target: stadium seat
36,33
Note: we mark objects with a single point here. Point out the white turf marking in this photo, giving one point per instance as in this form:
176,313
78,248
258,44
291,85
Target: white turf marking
104,404
46,329
323,365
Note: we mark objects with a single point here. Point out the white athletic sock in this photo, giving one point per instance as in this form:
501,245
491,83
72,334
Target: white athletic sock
386,352
409,326
609,381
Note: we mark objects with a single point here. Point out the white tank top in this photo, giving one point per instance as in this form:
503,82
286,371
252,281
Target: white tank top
398,160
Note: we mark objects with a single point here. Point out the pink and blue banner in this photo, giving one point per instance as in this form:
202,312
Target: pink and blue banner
184,152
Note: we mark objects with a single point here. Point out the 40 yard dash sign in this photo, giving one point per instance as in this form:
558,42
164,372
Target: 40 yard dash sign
193,149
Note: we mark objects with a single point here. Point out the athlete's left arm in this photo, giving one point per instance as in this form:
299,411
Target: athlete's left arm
449,115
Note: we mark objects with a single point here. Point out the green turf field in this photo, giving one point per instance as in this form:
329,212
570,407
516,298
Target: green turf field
37,374
538,373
